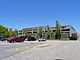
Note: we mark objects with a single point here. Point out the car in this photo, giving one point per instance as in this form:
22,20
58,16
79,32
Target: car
15,39
26,39
3,39
29,38
41,39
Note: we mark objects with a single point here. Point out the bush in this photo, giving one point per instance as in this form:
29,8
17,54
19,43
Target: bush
73,38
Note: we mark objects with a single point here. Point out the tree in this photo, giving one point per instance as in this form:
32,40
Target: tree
40,31
10,32
3,35
58,30
48,32
3,30
15,32
6,34
26,32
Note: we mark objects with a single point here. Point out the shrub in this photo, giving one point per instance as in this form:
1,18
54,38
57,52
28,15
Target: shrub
73,38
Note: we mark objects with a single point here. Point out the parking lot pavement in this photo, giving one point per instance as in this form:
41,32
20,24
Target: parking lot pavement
50,51
30,50
9,49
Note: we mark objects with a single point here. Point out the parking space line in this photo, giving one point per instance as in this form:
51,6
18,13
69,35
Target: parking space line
38,46
44,45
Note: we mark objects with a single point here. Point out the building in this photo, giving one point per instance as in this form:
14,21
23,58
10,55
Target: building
66,31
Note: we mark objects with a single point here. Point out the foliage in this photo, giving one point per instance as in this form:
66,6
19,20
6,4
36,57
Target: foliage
6,34
58,30
60,39
73,38
15,32
3,30
40,31
10,32
48,31
26,32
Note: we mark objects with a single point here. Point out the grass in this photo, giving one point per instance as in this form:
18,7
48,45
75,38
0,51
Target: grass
60,39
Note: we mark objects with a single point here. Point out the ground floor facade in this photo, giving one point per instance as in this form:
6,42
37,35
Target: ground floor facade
66,32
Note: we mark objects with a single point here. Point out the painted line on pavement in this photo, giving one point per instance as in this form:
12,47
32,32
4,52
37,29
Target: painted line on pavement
16,49
43,45
38,46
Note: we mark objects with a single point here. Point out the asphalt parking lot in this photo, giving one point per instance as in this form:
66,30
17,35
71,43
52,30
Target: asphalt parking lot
50,50
9,49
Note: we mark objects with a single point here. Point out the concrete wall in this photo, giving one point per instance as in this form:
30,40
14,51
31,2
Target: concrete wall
52,36
64,35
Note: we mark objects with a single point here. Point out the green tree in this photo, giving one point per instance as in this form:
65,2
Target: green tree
3,35
58,30
40,31
6,34
15,32
10,32
26,32
3,30
48,32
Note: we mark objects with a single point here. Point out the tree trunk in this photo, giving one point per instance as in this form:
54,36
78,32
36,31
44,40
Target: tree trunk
48,37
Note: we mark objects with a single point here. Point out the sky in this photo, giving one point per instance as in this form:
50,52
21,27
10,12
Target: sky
19,14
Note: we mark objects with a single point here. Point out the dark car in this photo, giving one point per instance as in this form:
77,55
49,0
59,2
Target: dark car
31,38
3,39
16,39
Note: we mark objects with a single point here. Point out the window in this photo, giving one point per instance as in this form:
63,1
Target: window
18,37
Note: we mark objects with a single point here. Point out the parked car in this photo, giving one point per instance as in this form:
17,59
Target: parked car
23,37
41,39
3,39
16,39
26,39
29,38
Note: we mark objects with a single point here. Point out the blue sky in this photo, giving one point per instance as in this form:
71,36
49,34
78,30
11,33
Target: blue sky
19,14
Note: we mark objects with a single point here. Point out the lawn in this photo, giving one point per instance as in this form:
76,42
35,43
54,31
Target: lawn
61,39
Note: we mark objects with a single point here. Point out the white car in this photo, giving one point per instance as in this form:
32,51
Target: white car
26,39
41,39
